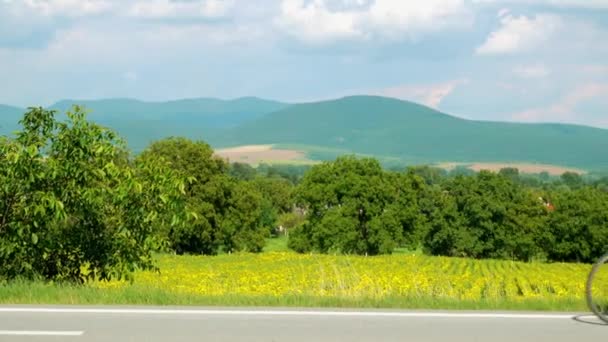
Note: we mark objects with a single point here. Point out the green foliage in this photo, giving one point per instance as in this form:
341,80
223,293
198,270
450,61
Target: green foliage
292,173
353,207
242,226
572,180
487,216
73,206
226,213
278,191
242,171
431,175
511,173
578,226
205,193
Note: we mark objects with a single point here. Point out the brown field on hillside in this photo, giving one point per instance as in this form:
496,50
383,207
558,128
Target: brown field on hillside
255,154
522,167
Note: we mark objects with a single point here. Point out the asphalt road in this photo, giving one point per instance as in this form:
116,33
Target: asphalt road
84,324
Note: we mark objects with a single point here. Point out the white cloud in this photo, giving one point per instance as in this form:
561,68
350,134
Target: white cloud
592,4
394,18
532,71
518,34
137,8
315,22
564,110
169,9
431,95
70,8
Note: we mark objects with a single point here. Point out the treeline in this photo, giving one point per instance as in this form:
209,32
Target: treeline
76,204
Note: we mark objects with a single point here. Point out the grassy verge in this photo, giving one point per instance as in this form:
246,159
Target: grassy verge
39,293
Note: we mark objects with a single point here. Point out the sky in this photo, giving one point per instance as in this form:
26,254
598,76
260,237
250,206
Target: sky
499,60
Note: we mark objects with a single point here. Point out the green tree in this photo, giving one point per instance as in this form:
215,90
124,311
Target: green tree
223,217
345,201
578,225
242,171
431,175
487,216
242,226
278,191
206,193
72,205
511,173
572,179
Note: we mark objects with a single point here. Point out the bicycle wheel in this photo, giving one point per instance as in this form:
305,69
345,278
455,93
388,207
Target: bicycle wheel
597,288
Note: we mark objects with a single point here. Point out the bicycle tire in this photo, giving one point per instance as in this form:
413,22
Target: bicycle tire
589,296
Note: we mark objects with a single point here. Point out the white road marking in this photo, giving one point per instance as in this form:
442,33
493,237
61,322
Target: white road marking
40,333
284,313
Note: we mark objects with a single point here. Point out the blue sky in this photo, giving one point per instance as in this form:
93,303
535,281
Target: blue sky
508,60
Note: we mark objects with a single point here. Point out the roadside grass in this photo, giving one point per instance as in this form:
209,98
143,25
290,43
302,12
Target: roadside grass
46,294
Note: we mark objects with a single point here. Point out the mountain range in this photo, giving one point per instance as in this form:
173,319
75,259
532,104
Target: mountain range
369,125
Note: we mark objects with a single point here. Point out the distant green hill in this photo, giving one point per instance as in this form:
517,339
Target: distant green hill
383,127
411,132
9,118
141,122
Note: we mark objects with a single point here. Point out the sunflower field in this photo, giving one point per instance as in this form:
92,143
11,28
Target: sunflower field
285,278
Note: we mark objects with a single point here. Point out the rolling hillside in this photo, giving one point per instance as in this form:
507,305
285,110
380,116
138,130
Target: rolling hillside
387,128
392,128
141,122
9,118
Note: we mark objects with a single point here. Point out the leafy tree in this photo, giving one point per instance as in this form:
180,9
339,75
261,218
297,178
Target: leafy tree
206,193
487,216
345,201
511,173
242,226
292,173
431,175
461,170
578,225
447,232
602,183
72,205
278,191
224,218
544,176
572,179
242,171
407,208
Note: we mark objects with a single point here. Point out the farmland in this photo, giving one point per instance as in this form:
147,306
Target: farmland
255,154
522,167
299,154
288,279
